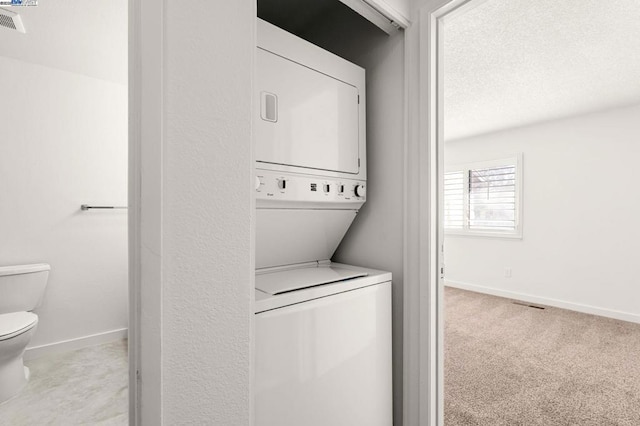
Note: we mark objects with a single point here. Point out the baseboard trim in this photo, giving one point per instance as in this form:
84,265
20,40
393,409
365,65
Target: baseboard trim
74,344
586,309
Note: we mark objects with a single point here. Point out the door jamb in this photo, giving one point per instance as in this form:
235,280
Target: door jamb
145,206
424,167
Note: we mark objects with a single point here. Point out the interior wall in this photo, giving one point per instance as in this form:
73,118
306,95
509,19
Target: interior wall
402,6
207,249
375,239
64,143
581,235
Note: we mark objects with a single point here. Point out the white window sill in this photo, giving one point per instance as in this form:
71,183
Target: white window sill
484,234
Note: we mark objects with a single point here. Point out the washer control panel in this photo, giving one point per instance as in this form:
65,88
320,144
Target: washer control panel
271,185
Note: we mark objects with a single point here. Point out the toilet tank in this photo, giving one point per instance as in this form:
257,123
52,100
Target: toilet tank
22,287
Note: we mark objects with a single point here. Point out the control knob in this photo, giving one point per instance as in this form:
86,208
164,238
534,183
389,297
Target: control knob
257,183
360,191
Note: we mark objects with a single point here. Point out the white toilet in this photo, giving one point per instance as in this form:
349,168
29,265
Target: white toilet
21,290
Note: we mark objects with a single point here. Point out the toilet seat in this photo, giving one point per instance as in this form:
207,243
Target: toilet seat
16,323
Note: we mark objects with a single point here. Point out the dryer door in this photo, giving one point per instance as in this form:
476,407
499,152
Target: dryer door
306,118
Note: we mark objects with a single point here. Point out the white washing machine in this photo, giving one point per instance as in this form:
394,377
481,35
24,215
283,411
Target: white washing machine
322,330
323,353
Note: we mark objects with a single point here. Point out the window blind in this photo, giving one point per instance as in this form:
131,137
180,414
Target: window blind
454,200
492,198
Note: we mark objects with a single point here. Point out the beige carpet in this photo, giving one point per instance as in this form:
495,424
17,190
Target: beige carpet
507,364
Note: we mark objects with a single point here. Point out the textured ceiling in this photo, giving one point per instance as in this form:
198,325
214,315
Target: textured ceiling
83,36
510,63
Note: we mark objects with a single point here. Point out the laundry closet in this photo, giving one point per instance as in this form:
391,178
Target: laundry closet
329,220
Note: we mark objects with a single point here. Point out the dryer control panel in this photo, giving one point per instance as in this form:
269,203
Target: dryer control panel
273,185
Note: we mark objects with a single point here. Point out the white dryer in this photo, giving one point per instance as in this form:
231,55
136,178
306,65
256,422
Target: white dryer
322,330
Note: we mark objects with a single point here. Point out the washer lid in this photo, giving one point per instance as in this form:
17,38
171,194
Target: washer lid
23,269
15,323
297,279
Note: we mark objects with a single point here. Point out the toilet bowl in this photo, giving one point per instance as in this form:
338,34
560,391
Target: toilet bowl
13,374
21,290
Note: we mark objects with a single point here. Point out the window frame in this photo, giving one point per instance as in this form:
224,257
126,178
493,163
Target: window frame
512,159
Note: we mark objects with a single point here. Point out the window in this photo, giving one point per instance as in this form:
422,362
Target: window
483,198
454,200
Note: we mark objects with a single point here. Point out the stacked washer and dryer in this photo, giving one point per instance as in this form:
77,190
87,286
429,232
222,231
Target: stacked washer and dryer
322,329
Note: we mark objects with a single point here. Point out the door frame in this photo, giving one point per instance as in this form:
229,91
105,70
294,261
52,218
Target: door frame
423,402
145,210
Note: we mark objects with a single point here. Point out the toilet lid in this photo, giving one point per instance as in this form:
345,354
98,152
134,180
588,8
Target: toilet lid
16,323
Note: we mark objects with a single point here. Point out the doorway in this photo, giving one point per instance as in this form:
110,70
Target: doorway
65,146
520,218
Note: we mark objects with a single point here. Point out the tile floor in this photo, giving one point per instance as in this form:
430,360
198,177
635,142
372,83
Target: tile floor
84,387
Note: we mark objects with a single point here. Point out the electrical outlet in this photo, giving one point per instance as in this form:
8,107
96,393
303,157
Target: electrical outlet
507,272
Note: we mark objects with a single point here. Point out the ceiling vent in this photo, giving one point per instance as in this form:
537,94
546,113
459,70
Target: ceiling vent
11,20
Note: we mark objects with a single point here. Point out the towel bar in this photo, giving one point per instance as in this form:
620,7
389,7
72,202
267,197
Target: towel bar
88,207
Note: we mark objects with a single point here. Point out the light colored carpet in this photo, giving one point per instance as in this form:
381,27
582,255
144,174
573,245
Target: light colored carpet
83,387
507,364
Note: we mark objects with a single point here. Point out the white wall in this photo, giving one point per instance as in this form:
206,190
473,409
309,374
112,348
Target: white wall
63,144
401,6
207,259
580,217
